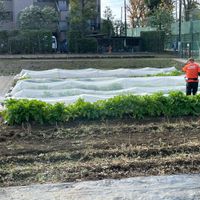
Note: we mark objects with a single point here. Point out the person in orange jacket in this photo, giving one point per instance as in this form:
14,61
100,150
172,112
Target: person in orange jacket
192,71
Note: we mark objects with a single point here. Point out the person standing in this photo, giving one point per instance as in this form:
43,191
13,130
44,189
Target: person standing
192,71
109,49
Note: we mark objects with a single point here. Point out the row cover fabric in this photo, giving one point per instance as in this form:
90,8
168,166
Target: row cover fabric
173,187
98,84
91,73
92,89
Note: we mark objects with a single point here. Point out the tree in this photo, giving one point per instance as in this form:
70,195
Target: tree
82,12
107,26
137,12
189,7
154,4
2,11
119,28
34,17
162,17
196,14
108,14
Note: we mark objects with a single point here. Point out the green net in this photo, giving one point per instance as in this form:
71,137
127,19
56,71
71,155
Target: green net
190,38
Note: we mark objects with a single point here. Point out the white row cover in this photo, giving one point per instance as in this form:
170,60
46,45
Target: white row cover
97,84
91,73
93,89
176,187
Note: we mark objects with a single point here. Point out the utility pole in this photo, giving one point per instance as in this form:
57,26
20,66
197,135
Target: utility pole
121,14
176,10
121,21
179,32
191,33
125,24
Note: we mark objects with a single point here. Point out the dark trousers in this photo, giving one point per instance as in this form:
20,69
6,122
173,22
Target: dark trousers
191,88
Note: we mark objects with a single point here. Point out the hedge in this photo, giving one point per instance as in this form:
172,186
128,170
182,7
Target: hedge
176,104
79,44
3,41
87,45
29,41
153,41
73,37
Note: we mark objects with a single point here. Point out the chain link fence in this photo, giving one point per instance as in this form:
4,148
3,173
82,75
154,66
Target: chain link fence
189,45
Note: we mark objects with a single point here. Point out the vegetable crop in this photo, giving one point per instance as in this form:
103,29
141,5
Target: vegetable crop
176,104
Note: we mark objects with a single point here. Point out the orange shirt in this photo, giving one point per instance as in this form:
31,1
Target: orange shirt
191,69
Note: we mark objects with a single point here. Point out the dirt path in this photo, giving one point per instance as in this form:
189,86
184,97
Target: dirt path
99,150
5,84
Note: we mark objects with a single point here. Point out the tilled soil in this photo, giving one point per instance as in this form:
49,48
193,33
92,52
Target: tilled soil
10,67
98,150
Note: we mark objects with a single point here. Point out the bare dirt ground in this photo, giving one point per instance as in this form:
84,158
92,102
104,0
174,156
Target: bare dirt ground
5,84
98,150
10,67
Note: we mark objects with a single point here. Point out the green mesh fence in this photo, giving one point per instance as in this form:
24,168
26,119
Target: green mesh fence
136,32
190,38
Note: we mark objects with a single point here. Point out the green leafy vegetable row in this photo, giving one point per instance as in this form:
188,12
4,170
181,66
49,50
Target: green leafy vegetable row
136,107
173,73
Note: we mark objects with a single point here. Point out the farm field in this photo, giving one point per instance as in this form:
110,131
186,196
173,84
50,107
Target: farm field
98,149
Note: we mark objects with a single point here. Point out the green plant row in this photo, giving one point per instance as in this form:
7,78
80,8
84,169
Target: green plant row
137,107
173,73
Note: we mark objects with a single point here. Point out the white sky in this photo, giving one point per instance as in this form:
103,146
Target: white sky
115,6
